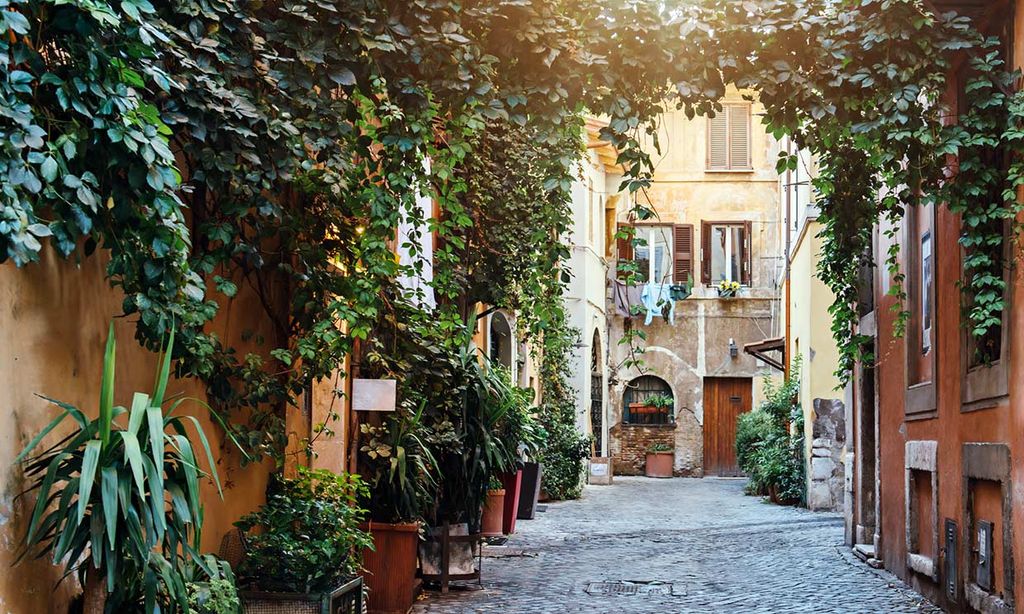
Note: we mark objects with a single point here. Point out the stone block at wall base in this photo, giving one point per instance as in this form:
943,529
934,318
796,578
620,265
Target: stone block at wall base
819,497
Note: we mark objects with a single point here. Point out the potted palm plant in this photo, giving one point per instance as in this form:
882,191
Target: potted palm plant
660,458
400,469
303,547
101,498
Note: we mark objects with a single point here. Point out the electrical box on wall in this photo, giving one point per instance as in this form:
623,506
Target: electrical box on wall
949,566
984,571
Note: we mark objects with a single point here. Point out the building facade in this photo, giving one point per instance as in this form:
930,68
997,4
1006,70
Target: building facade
716,234
811,353
939,419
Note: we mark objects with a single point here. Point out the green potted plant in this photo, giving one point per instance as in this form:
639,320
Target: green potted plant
303,547
102,494
660,458
400,469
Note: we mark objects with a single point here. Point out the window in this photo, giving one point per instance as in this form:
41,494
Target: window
919,226
726,252
729,139
662,253
985,381
648,400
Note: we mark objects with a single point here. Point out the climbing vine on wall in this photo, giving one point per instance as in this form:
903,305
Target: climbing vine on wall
215,146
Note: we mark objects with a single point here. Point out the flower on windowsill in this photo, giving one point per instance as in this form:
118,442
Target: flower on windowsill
728,288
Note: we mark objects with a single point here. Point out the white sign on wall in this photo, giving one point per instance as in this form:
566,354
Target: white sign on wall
374,394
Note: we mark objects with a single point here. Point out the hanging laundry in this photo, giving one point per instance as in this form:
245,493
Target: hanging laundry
655,297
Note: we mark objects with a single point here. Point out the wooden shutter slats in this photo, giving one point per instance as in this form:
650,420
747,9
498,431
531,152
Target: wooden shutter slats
682,251
705,253
748,259
729,139
718,141
739,136
624,246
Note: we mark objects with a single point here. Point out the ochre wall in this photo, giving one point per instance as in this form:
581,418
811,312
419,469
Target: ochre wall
53,324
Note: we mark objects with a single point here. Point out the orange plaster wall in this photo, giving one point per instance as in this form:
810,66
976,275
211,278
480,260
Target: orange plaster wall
949,425
53,323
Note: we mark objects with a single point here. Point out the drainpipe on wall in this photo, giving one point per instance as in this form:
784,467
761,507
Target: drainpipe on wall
789,199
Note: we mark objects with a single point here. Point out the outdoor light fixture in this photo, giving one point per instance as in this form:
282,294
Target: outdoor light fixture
734,351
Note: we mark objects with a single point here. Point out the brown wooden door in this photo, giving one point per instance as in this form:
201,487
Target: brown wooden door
725,398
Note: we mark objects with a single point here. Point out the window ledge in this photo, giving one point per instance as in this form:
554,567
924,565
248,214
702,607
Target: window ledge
720,171
649,426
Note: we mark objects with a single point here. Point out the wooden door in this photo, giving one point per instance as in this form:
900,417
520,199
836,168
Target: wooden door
725,398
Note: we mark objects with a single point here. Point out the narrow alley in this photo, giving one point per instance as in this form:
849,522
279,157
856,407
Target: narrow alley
687,546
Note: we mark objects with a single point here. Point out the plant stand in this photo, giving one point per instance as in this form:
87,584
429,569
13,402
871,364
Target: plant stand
346,599
447,540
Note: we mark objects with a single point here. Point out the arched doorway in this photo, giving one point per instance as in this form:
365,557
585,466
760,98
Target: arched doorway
501,340
596,396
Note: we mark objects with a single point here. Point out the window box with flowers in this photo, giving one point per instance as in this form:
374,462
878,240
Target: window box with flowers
728,289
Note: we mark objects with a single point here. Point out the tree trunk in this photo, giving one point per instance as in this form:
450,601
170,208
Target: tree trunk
95,598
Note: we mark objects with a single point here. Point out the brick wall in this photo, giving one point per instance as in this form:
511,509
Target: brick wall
630,443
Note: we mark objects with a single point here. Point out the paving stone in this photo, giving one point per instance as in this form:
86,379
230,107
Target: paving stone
719,550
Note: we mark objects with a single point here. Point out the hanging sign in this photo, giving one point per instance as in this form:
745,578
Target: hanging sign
374,394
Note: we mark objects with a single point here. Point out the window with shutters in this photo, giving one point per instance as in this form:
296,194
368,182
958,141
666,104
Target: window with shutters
726,252
729,139
663,254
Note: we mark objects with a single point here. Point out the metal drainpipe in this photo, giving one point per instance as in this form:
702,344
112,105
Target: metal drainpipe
789,240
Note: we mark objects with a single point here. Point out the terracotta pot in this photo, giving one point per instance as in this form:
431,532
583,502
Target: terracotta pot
659,464
389,571
494,512
513,483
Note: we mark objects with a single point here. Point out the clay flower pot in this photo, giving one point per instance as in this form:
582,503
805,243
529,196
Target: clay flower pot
659,464
389,570
494,513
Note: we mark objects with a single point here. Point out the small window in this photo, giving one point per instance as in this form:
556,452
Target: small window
729,139
726,252
648,400
919,255
663,254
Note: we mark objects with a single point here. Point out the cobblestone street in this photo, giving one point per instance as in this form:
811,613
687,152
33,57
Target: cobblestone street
719,550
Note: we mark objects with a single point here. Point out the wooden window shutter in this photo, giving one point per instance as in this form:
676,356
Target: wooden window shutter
739,136
718,141
748,256
625,245
682,250
705,253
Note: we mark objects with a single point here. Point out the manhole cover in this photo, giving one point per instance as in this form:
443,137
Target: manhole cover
630,588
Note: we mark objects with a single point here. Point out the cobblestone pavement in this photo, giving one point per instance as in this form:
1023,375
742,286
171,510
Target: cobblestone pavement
720,550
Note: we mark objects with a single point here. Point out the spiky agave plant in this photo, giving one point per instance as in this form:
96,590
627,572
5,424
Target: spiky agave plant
117,498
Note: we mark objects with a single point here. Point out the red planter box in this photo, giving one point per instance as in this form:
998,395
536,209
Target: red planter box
512,483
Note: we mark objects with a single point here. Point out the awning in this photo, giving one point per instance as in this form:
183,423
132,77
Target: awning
759,349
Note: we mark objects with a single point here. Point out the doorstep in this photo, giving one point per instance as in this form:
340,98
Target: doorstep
866,553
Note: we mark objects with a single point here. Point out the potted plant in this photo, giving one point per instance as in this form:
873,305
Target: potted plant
101,489
399,467
660,403
491,524
660,457
728,289
303,546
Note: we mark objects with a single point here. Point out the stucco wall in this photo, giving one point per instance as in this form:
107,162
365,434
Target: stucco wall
697,346
53,324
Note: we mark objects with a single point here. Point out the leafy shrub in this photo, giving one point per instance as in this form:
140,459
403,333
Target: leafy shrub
213,590
306,539
770,443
